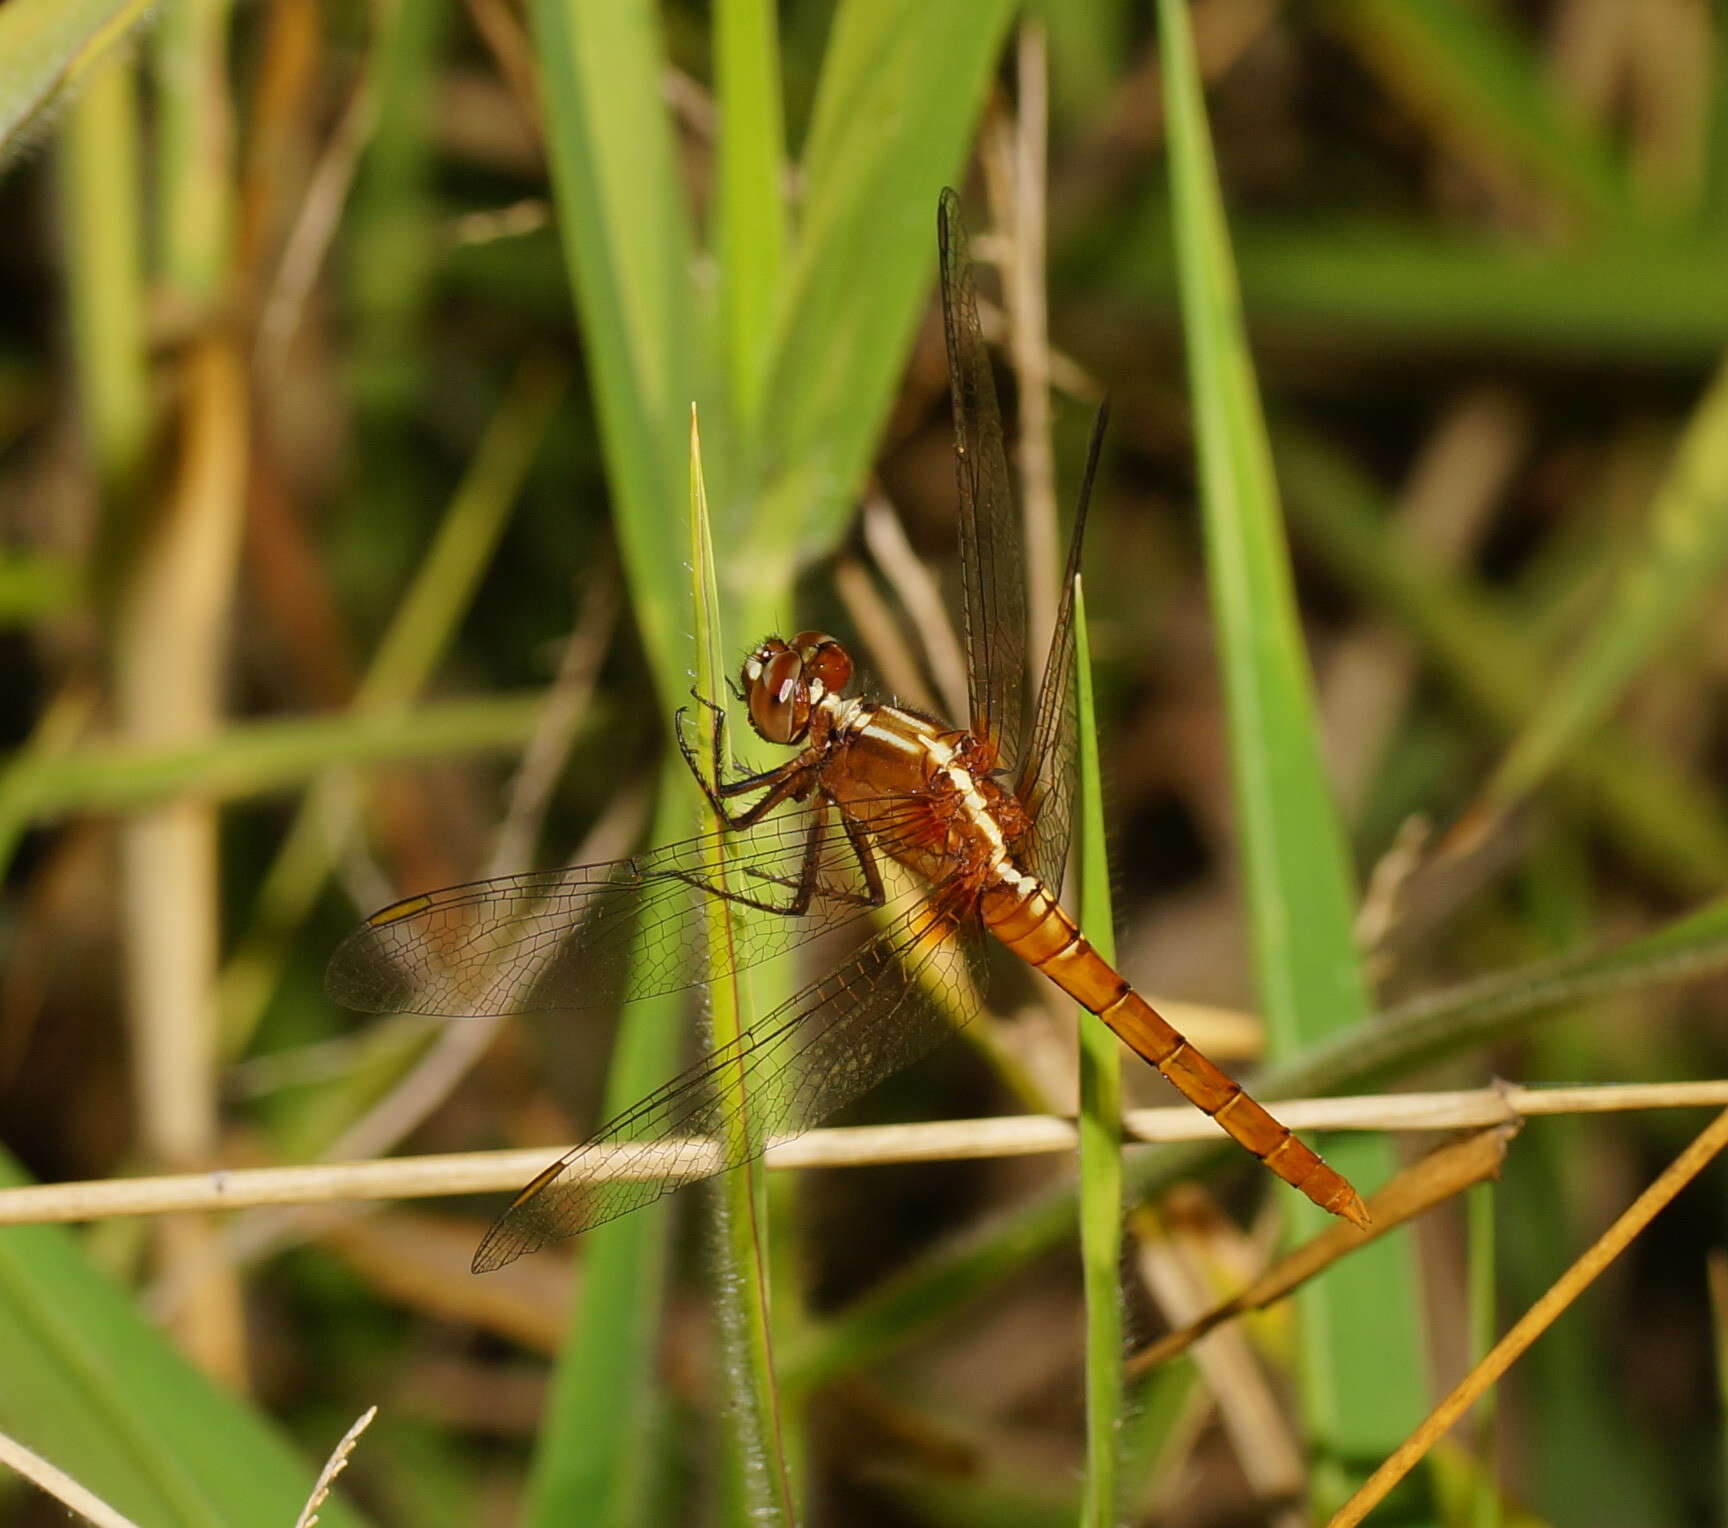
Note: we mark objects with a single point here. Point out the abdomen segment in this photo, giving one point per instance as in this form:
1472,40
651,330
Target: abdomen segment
1037,930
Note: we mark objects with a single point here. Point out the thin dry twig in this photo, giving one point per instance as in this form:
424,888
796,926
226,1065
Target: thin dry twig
320,211
1567,1288
436,1075
333,1466
922,599
548,750
61,1486
1439,1176
891,658
479,1172
1167,1254
506,37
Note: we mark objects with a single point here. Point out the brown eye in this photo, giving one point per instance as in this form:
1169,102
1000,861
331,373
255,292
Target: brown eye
776,698
826,662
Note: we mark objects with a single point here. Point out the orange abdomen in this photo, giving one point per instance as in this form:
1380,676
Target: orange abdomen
1036,929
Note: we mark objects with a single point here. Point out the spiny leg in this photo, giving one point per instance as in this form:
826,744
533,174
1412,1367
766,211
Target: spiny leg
781,783
805,882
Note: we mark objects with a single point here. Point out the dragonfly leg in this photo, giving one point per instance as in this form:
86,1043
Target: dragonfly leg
806,886
806,883
780,783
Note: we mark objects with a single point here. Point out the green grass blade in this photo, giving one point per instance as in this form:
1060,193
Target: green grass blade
1100,1133
599,1456
755,1470
627,246
1390,285
193,150
1483,1312
103,238
627,242
1362,1357
1464,68
750,220
48,45
100,175
96,1389
620,209
901,89
258,757
1658,590
392,238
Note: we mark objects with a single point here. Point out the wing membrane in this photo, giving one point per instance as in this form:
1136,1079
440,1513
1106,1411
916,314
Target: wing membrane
894,1000
992,562
1045,783
605,933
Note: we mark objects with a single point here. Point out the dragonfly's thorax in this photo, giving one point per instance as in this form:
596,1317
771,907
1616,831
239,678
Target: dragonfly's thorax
925,787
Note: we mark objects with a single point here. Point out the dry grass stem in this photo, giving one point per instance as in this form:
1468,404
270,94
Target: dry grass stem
1535,1321
61,1486
1439,1176
169,656
479,1172
315,225
333,1466
892,661
922,600
548,750
1169,1258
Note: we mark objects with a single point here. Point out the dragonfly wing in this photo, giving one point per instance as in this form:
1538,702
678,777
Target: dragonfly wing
602,933
992,563
900,994
1045,783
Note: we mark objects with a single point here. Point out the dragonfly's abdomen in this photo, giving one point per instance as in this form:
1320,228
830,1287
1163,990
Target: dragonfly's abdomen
1026,919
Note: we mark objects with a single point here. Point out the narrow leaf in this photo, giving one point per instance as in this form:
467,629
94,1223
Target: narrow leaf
47,45
1100,1131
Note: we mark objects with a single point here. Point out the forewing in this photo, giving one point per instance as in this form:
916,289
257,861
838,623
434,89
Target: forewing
992,563
892,1001
603,933
1045,782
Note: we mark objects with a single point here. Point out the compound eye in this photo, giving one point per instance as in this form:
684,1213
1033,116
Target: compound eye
779,706
826,662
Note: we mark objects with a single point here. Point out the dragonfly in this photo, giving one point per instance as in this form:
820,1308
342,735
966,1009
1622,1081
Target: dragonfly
978,814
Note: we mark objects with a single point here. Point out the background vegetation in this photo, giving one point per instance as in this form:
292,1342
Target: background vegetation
346,355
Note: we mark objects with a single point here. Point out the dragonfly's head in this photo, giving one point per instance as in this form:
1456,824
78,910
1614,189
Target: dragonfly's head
783,681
